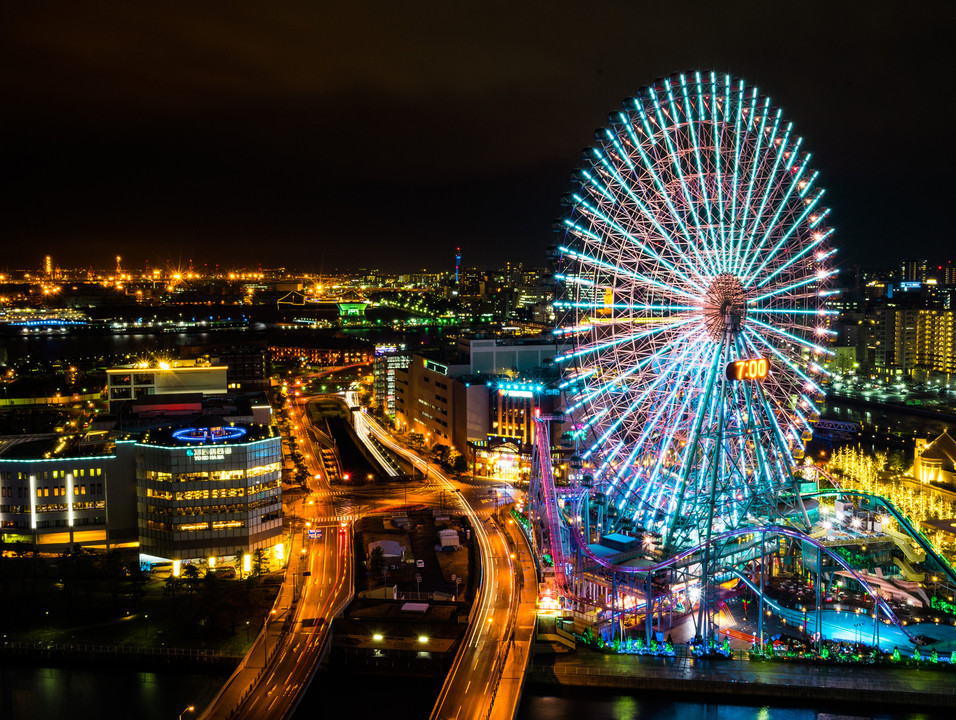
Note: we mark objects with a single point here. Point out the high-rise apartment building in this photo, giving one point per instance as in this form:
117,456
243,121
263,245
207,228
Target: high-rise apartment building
934,340
913,271
388,359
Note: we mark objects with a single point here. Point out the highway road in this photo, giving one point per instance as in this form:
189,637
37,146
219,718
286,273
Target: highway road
319,581
471,685
296,631
293,664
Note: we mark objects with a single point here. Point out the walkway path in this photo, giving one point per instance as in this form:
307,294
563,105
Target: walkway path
910,687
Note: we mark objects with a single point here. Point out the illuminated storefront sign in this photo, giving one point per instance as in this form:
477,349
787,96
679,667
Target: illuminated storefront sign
216,452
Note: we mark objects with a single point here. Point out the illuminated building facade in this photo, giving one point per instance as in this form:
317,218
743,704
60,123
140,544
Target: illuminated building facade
388,358
328,356
481,401
514,403
56,492
129,382
425,397
181,493
936,460
209,491
247,366
934,340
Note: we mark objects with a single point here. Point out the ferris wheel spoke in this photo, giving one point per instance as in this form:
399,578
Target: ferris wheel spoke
718,128
793,226
757,159
648,166
636,369
674,156
599,346
817,277
819,349
648,424
629,306
658,475
758,343
731,233
703,234
595,262
642,246
790,311
783,208
672,163
818,238
626,413
667,407
769,188
632,196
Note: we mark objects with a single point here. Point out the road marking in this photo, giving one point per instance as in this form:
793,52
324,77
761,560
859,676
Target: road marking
458,713
467,686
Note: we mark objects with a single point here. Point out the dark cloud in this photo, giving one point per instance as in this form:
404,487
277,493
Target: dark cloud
321,135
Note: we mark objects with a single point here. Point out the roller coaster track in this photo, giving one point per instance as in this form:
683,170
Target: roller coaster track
903,523
559,528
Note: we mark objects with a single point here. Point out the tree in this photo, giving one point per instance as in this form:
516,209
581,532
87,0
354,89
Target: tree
137,581
171,586
190,575
237,560
258,561
376,561
895,461
115,574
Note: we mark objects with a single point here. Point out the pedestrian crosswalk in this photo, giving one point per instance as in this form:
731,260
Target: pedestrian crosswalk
336,519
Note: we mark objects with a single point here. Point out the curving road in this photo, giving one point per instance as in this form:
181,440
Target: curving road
471,688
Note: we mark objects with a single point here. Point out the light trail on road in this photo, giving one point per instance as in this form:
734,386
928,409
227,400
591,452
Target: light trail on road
477,660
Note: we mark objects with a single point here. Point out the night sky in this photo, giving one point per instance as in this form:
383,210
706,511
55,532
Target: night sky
384,134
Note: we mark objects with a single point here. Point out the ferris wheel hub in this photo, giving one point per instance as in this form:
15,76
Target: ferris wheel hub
725,305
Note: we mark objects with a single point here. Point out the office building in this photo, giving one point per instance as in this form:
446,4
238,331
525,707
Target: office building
129,382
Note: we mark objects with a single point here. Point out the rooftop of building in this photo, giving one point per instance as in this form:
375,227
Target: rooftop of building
194,409
942,448
481,340
50,447
191,436
200,363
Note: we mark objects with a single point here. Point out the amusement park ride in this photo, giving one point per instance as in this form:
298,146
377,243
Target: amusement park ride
694,273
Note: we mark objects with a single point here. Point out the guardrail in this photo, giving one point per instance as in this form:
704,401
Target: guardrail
97,649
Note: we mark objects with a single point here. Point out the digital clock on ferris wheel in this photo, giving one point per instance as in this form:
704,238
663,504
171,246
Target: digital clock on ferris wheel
748,369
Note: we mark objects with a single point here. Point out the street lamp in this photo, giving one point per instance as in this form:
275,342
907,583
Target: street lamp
189,709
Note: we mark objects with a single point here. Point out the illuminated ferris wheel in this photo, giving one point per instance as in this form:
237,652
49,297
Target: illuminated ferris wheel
694,270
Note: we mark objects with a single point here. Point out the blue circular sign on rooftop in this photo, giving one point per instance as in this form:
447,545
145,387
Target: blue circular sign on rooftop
209,434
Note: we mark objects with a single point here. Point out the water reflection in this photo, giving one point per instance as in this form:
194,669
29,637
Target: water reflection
28,693
598,706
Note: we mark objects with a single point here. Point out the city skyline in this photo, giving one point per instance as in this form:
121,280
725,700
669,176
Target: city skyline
329,138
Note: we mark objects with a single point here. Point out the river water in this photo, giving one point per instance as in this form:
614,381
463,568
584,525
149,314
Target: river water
33,693
607,706
50,693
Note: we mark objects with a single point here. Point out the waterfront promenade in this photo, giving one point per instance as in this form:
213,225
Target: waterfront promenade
910,688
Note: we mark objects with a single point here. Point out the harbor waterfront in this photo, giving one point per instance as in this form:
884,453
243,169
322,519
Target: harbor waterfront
780,683
32,693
